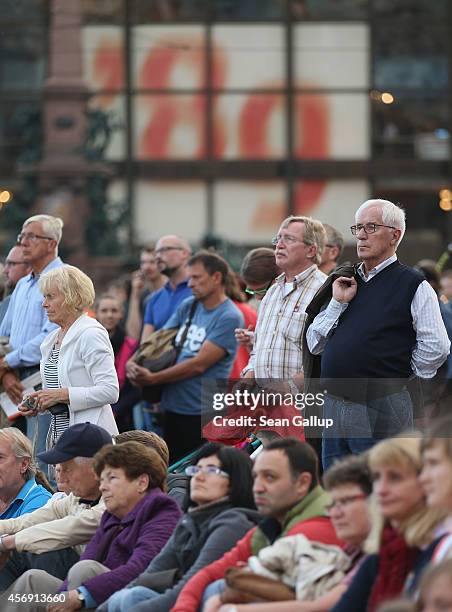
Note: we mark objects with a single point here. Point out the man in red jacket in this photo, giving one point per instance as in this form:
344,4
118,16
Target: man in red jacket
290,500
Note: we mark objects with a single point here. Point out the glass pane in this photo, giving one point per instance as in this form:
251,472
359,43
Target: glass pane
176,206
23,57
409,54
332,55
108,124
103,57
411,127
260,206
249,56
168,57
246,10
20,134
333,202
250,126
24,10
424,9
169,127
327,9
332,126
151,11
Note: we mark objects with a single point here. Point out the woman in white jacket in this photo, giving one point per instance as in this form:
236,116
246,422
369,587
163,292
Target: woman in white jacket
77,366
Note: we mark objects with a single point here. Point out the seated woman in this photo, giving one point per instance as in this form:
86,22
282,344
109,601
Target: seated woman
110,312
138,520
405,538
220,512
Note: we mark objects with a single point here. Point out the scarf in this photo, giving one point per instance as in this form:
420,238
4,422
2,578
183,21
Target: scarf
395,561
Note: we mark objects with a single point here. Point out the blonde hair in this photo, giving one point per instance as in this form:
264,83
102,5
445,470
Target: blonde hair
51,226
314,234
418,528
21,448
75,285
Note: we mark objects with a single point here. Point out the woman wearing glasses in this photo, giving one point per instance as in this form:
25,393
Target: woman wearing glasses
220,510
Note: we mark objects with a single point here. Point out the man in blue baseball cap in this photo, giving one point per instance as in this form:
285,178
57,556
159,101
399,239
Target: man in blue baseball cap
52,537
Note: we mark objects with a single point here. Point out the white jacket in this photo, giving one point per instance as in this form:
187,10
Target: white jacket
86,367
66,522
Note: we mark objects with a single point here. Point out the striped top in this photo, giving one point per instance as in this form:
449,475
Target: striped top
60,422
277,350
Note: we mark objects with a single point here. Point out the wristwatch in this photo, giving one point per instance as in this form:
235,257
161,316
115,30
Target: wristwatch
81,597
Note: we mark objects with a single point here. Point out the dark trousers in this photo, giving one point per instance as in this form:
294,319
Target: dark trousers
182,433
55,562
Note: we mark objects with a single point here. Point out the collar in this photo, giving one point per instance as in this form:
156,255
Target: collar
23,493
218,503
55,263
381,266
89,502
169,287
299,278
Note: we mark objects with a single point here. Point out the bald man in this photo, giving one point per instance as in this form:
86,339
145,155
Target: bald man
172,253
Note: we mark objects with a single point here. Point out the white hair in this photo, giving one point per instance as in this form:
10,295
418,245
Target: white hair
51,226
391,214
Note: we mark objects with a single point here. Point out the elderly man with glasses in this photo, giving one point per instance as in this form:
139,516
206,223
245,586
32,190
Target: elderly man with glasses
382,326
276,363
26,323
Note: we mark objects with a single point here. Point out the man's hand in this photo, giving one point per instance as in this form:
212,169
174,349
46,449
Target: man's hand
137,284
139,376
244,337
247,382
344,289
13,387
71,603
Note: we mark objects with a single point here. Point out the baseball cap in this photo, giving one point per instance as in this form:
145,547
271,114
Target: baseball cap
81,440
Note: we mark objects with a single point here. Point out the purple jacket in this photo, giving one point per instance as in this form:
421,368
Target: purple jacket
144,532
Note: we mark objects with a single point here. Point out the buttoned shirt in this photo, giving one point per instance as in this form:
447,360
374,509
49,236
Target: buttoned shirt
277,350
432,343
26,323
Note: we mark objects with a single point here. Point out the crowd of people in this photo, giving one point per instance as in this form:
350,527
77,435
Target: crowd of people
346,508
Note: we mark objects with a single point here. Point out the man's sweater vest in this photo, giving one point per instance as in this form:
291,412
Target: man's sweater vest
375,336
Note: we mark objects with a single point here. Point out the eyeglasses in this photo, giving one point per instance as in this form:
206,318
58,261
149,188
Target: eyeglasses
344,501
192,470
167,248
369,228
31,237
261,291
286,239
9,263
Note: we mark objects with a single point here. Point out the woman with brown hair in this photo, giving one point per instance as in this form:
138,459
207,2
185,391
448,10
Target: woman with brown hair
138,520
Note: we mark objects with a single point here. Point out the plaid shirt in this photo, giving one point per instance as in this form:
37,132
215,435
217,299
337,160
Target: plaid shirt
277,351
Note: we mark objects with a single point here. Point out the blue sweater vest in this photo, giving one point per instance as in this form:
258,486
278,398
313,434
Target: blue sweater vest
375,338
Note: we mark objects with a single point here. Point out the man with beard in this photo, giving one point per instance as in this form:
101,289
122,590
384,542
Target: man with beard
172,253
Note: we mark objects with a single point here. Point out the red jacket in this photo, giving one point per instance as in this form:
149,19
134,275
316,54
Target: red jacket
318,529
